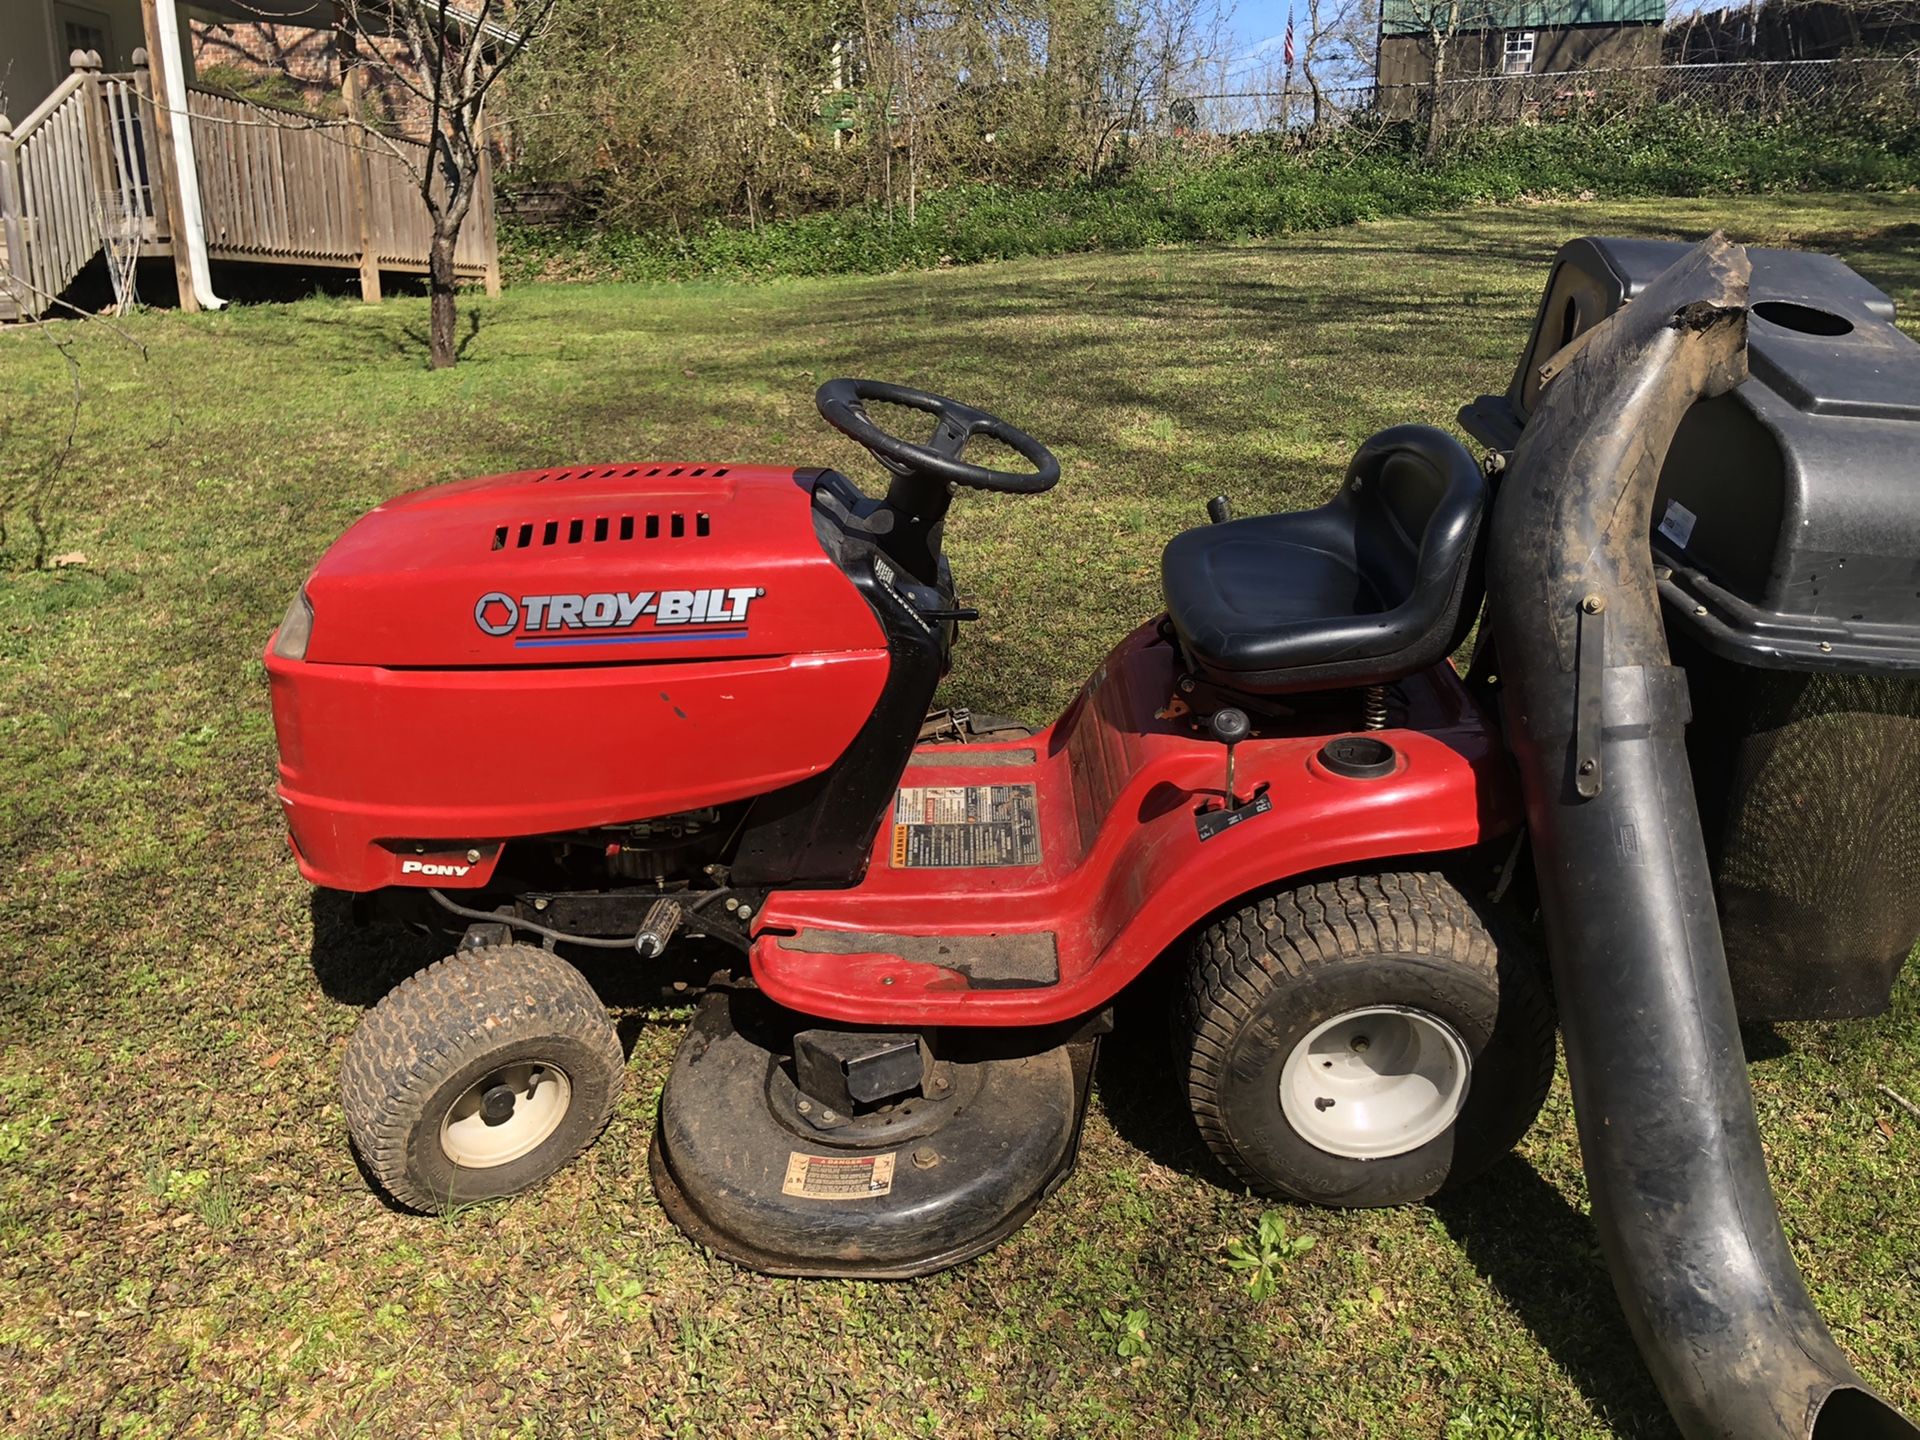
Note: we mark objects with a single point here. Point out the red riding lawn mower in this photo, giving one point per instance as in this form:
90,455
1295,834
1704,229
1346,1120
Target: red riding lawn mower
623,706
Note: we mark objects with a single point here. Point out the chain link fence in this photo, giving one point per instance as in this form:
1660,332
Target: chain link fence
1755,89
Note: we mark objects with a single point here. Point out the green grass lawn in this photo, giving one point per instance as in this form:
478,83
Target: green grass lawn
186,1246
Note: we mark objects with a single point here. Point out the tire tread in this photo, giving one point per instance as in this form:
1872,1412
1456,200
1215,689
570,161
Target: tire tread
434,1021
1240,959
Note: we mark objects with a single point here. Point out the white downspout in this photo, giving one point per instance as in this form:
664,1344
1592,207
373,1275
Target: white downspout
193,225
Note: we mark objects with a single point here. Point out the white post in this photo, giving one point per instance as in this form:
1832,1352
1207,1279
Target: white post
190,225
10,223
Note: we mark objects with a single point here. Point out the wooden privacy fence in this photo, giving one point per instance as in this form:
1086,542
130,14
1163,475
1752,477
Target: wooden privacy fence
82,176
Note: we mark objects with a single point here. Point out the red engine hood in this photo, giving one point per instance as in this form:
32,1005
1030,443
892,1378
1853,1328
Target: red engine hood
587,565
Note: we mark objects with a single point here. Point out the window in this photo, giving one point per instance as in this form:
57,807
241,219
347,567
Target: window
78,28
1519,55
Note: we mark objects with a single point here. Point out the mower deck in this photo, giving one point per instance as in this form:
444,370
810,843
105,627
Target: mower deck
747,1165
1008,888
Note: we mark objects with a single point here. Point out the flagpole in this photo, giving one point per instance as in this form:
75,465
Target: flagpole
1286,77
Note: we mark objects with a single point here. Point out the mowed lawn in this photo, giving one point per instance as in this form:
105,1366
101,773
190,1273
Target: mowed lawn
186,1245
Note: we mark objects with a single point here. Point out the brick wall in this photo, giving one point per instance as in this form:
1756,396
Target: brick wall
297,66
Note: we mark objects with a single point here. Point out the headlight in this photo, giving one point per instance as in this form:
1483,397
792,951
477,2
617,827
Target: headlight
290,641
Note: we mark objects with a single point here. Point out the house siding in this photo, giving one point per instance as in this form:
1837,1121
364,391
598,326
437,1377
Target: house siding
1404,67
32,61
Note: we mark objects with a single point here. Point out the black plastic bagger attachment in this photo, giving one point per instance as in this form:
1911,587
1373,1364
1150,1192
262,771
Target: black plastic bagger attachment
1784,540
1595,714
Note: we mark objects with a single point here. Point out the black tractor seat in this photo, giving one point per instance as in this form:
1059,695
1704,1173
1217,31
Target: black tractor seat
1370,587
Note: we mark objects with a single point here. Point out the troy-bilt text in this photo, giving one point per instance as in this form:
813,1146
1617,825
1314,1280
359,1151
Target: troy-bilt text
500,614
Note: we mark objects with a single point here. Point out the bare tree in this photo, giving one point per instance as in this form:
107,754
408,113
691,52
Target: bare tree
1338,51
1141,52
33,483
1801,29
742,110
453,56
1436,24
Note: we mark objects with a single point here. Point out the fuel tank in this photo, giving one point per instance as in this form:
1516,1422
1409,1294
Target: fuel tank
556,650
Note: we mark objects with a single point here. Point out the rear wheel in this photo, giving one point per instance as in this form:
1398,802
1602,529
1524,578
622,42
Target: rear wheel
1363,1041
480,1076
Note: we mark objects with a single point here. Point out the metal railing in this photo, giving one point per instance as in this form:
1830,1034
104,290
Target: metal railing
1757,89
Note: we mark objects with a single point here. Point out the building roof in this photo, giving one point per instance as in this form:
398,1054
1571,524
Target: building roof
1408,17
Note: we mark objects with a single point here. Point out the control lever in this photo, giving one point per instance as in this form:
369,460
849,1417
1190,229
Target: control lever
1230,727
1219,511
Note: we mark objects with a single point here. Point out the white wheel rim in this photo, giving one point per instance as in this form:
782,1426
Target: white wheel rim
1375,1082
478,1140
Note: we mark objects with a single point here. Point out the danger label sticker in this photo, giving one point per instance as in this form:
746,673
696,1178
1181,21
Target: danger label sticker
954,827
838,1177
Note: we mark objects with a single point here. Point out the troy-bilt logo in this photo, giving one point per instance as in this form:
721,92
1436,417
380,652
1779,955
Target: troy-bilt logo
611,615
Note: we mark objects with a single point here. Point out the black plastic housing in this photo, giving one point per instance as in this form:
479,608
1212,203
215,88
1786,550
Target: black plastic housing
1786,512
1595,714
1786,546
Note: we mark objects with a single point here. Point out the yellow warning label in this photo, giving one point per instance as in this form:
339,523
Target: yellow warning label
838,1177
965,826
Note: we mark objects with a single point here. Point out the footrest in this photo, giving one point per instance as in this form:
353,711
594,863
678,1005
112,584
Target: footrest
1021,961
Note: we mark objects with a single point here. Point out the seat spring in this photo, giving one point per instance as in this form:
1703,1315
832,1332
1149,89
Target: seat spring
1373,707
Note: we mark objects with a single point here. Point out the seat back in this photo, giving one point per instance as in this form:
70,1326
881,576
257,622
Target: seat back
1418,499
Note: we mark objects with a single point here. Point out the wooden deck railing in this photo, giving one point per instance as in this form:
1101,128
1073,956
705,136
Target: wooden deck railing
79,176
72,182
275,186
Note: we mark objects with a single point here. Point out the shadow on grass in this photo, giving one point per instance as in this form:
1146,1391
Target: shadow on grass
1535,1249
1137,1082
356,963
1543,1257
420,342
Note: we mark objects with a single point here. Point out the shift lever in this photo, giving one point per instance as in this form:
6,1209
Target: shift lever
1230,727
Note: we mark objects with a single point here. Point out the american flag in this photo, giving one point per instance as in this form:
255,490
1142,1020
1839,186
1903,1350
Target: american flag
1286,50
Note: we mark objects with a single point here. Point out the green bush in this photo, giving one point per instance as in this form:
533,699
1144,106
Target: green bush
1260,189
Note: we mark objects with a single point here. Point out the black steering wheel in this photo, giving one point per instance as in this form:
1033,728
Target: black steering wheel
843,405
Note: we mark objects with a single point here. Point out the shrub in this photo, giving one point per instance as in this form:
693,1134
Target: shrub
1261,188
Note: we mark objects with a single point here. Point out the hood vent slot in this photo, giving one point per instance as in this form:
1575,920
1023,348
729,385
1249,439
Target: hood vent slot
634,472
670,525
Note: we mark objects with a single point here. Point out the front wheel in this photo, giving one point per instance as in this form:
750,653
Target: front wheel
1363,1041
480,1076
